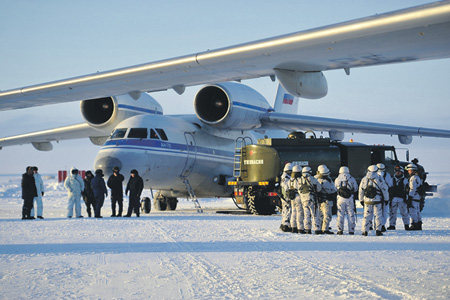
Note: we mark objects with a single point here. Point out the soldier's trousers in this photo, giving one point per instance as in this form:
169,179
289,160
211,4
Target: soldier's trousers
414,212
369,212
398,205
297,215
346,207
310,216
286,213
323,215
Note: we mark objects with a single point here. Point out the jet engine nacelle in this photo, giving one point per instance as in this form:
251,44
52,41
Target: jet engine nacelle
309,85
230,105
105,113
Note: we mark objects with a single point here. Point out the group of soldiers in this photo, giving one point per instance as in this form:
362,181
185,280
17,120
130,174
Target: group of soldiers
307,200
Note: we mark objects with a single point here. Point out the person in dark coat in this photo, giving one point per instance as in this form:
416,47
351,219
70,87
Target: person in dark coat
29,191
115,182
88,194
135,186
99,188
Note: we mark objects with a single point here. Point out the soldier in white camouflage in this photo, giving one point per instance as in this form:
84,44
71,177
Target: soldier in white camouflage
285,201
373,191
325,201
346,186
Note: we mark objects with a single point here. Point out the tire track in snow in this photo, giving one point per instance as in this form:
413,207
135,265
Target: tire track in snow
199,271
372,288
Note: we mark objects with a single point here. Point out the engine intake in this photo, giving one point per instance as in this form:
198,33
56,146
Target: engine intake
230,105
105,113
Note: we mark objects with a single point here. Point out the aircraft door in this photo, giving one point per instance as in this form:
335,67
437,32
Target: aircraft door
191,154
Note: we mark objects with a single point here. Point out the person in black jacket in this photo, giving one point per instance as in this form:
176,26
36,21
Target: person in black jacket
29,191
99,189
88,194
115,182
135,186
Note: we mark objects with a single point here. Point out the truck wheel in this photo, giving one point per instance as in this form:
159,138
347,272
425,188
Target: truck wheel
260,206
159,203
171,203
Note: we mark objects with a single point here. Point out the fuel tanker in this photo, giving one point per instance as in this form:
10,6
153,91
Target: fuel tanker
258,167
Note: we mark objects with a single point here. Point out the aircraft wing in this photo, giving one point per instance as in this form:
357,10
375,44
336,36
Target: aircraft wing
41,139
336,127
418,33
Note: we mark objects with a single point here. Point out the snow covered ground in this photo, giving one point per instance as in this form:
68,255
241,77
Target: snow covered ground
183,254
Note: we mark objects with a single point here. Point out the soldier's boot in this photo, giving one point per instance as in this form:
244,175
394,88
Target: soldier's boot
340,233
413,226
391,227
379,233
328,232
407,227
419,225
24,213
318,232
351,233
294,230
364,233
308,231
302,231
383,228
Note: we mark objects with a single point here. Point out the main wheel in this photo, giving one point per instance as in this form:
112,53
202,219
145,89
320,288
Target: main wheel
171,203
159,203
260,205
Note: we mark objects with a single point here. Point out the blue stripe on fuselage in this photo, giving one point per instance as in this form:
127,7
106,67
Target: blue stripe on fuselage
164,146
245,105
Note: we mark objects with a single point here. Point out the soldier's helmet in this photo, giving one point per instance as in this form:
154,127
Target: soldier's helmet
344,169
288,167
372,168
323,170
306,170
296,169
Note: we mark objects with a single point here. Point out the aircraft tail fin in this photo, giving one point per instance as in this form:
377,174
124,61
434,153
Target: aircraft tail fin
285,102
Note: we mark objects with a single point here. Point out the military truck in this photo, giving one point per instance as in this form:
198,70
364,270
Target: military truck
258,167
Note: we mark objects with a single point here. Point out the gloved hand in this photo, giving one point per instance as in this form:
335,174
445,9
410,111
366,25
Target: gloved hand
409,202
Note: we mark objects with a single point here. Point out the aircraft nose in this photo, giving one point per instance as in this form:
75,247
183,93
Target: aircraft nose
107,163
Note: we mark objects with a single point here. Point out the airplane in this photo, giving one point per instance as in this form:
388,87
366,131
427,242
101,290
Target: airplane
192,155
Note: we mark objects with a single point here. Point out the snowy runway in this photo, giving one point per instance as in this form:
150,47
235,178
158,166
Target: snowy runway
187,255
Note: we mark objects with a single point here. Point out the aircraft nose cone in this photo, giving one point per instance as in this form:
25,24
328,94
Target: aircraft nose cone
107,163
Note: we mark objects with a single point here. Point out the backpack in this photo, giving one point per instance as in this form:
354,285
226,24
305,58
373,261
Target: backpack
371,191
305,187
344,191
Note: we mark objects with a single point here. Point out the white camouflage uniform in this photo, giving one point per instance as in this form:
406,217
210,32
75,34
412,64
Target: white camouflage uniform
308,199
388,179
285,203
414,183
373,206
346,206
297,215
323,213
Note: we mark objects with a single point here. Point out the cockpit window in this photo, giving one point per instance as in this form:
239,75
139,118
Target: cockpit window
118,133
162,134
153,135
137,133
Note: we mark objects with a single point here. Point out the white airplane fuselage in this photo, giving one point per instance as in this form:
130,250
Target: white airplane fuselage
205,159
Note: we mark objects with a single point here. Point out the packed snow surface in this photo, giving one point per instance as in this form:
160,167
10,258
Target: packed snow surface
184,254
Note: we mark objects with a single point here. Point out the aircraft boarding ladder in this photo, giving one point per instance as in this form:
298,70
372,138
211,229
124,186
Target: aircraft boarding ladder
191,194
239,152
